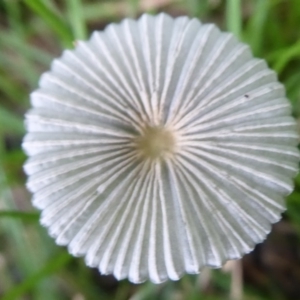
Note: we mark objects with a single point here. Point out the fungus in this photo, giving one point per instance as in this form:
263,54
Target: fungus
158,147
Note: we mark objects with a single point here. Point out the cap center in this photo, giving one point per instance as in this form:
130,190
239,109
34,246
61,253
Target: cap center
155,142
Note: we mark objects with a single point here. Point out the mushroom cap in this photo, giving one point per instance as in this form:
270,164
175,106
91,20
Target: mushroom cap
158,147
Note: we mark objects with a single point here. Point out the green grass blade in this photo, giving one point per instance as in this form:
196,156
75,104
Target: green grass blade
197,8
24,216
293,89
9,122
234,17
54,21
22,244
17,67
104,11
133,6
10,41
13,12
256,26
8,88
285,56
77,20
51,267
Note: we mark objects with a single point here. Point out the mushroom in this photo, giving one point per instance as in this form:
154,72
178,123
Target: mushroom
158,147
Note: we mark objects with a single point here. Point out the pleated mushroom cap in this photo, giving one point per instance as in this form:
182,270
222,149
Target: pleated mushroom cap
158,147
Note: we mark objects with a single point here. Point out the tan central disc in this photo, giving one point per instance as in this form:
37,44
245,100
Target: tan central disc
155,142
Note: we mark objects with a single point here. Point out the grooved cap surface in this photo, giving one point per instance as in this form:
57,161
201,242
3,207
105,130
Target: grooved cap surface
158,147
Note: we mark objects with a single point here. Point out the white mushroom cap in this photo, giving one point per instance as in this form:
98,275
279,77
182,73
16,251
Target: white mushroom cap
158,147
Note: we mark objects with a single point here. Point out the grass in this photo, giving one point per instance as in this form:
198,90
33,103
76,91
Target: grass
32,32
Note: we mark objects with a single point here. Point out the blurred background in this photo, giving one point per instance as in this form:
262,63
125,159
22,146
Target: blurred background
32,267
